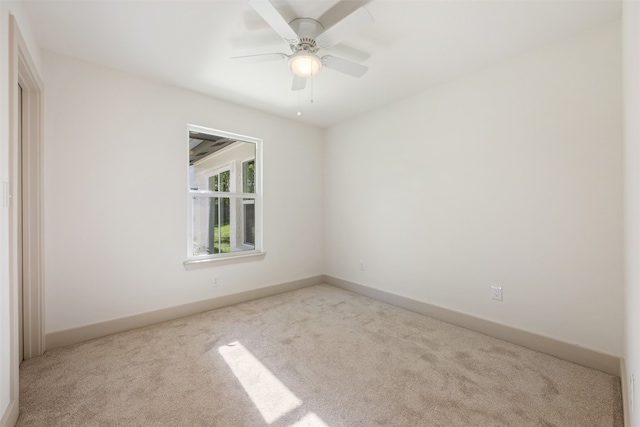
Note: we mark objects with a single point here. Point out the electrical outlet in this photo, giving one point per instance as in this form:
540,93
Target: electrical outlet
361,265
496,293
215,282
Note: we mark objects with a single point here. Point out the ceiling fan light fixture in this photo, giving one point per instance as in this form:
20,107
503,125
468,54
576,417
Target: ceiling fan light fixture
304,64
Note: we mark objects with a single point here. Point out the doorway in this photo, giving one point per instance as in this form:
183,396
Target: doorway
26,205
24,236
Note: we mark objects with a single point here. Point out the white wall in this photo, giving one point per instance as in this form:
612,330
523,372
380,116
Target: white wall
6,9
631,70
116,149
509,176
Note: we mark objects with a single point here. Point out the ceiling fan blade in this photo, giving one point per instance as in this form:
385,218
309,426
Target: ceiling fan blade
344,66
260,57
351,24
269,13
298,83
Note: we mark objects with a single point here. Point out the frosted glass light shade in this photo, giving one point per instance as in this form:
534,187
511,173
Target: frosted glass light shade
304,64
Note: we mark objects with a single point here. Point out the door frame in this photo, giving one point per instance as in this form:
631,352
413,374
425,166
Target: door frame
22,71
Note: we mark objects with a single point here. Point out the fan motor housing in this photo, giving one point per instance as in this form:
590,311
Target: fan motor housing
307,29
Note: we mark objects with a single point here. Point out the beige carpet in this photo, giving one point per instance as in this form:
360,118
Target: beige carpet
318,356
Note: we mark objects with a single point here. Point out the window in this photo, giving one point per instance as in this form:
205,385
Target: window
248,204
224,195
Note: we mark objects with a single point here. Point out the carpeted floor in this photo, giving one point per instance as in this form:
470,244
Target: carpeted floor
318,356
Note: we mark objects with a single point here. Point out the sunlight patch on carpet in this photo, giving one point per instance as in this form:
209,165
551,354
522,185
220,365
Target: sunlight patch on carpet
272,398
310,420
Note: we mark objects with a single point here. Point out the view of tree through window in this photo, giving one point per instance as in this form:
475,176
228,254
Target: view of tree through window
249,185
219,215
224,198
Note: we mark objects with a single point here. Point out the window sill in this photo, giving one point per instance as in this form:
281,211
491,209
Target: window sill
192,264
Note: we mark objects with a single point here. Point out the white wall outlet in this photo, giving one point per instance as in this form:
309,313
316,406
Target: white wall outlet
361,265
496,293
215,282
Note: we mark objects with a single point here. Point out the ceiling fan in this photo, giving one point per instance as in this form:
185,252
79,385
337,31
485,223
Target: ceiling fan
306,37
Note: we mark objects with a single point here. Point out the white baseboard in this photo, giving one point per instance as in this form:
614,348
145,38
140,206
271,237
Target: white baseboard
571,352
70,336
10,416
574,353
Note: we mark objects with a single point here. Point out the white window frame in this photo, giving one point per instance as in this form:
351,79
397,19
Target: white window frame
257,250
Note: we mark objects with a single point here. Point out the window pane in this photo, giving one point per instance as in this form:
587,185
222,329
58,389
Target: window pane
213,183
222,225
219,225
200,211
225,178
249,177
214,205
250,224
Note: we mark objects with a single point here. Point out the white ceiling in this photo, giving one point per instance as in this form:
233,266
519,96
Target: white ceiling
411,46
